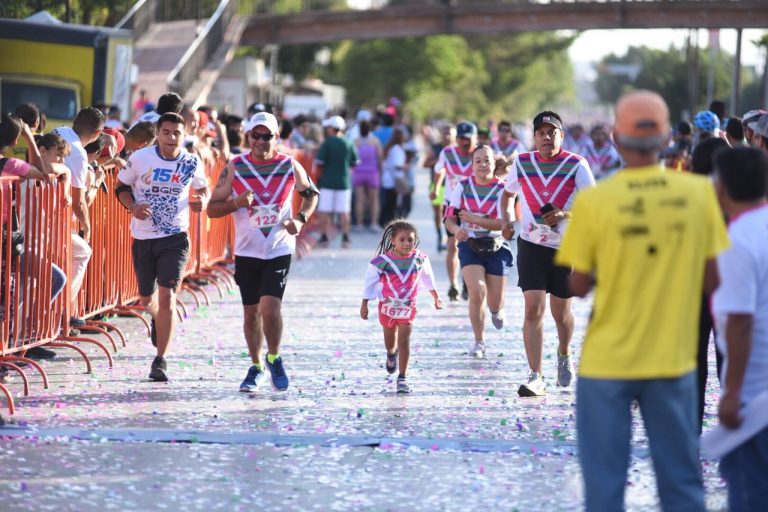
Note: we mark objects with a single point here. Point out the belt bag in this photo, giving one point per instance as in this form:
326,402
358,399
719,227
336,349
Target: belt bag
485,246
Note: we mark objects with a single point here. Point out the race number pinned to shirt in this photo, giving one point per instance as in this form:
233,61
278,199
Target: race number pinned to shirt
266,216
542,234
397,309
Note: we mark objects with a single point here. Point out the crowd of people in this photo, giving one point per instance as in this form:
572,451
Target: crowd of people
611,209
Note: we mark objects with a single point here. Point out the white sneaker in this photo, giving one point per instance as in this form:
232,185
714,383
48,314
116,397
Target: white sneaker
478,350
534,387
497,319
564,370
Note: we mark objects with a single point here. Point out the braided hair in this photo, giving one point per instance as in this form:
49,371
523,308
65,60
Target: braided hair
391,230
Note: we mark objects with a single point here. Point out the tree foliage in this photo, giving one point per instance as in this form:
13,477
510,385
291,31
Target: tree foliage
666,72
86,12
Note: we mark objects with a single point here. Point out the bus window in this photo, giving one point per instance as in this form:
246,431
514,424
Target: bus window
56,102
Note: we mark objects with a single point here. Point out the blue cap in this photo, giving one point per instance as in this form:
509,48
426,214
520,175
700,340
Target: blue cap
466,129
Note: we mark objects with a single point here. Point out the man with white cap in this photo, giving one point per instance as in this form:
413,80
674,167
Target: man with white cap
257,189
749,121
647,240
335,157
760,133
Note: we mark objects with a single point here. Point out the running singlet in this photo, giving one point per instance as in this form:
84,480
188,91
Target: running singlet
602,161
479,199
258,228
164,185
457,167
395,282
541,181
511,150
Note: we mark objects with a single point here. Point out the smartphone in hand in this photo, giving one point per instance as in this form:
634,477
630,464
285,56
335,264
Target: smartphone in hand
547,207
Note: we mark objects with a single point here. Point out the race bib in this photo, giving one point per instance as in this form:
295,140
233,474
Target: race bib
543,234
397,309
264,216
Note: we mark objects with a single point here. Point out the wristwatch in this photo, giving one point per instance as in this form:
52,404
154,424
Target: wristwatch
303,218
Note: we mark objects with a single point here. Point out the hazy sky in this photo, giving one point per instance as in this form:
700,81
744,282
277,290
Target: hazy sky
594,44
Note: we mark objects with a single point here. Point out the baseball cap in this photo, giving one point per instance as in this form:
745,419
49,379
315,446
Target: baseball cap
750,119
642,115
466,129
335,122
119,139
547,117
761,127
262,119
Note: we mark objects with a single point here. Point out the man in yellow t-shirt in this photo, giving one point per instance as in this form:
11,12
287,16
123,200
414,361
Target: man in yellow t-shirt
648,240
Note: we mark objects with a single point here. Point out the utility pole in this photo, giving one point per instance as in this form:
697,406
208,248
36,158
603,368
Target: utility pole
736,80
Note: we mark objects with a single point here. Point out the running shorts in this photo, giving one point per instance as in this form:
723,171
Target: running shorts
497,264
160,261
257,277
537,270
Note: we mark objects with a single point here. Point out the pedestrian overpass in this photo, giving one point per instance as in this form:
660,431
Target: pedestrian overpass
185,49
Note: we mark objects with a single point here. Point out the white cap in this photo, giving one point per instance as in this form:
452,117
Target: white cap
335,122
363,115
262,119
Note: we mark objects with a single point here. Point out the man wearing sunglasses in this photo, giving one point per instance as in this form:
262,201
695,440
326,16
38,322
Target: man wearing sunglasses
257,189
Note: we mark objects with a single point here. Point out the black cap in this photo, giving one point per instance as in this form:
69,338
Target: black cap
547,117
466,129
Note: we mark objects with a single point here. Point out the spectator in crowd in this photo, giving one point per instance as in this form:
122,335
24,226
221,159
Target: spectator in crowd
168,102
707,125
366,176
86,128
393,171
140,135
639,349
385,129
749,122
334,159
717,107
113,118
739,307
139,106
760,135
734,132
29,114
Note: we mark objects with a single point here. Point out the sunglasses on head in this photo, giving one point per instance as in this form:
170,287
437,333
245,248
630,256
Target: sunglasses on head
266,137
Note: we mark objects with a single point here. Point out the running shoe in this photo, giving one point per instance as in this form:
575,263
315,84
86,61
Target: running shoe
39,353
536,386
564,370
478,350
253,380
453,294
402,386
345,241
392,362
497,319
157,373
153,332
277,372
323,241
464,291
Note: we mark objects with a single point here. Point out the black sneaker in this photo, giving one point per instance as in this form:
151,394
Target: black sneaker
345,241
453,294
153,332
158,370
392,362
323,241
77,322
39,353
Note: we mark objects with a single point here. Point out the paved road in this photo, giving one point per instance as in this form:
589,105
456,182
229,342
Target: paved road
339,439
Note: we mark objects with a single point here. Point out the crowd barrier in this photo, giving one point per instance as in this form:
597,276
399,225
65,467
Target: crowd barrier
39,210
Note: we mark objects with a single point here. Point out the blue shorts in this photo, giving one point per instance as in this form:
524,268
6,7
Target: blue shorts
496,264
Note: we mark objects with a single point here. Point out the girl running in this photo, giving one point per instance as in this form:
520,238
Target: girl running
393,277
485,257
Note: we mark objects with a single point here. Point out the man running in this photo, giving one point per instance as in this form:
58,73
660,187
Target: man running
505,144
155,187
547,180
453,165
257,188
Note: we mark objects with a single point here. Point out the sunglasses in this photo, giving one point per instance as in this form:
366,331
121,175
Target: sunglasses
266,137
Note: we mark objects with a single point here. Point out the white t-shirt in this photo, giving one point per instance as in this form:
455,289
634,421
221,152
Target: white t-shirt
538,181
77,161
744,290
392,166
164,185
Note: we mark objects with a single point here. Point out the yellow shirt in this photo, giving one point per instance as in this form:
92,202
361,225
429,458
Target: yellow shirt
646,234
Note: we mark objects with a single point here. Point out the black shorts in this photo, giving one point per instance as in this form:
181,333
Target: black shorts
257,278
536,270
161,261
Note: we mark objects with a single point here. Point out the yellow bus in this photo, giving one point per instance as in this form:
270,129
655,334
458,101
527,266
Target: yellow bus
62,67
